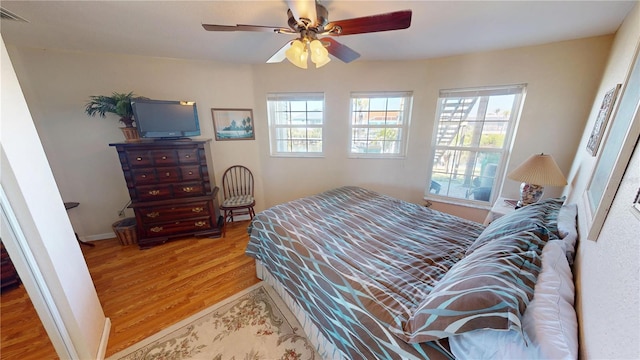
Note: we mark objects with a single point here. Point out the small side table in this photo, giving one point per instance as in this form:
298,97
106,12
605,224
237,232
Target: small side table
71,205
503,206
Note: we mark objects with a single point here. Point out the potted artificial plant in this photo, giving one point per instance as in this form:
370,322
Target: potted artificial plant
119,104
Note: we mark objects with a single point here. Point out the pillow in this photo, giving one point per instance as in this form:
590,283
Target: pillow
567,229
549,323
550,320
544,213
488,289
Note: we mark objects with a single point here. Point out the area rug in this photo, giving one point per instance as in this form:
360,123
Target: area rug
254,324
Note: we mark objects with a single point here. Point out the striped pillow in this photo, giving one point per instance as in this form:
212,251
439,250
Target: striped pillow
489,289
543,213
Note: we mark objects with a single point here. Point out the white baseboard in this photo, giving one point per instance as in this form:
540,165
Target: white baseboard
104,236
102,350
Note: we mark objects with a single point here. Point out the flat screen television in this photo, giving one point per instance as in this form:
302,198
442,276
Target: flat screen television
164,119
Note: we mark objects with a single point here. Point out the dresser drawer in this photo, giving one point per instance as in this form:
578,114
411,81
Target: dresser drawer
190,173
188,189
188,156
153,192
144,176
168,174
174,212
139,158
164,157
176,227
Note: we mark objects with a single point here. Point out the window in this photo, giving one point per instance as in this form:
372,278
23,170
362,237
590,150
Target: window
379,124
295,124
473,134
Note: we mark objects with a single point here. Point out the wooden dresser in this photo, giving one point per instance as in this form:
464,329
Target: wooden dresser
9,275
172,193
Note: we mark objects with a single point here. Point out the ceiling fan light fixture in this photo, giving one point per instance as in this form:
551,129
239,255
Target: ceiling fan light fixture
310,20
319,54
322,62
297,54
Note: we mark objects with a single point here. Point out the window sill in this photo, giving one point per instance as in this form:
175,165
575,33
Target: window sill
459,202
298,156
377,156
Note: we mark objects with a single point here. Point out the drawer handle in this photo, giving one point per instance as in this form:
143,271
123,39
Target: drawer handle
187,156
197,209
187,189
139,158
200,223
143,176
154,192
168,174
154,214
164,158
156,229
190,172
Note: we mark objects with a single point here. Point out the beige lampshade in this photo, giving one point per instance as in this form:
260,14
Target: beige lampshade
539,169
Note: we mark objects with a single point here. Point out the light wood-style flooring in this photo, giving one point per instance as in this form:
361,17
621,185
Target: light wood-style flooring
141,291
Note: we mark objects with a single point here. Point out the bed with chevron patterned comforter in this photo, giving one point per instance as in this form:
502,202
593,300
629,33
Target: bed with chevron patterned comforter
363,266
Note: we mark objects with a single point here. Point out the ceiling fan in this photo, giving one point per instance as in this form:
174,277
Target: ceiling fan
310,20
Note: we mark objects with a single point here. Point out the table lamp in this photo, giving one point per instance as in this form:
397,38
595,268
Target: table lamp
538,171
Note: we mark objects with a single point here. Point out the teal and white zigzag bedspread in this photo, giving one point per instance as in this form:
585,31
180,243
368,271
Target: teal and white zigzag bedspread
357,260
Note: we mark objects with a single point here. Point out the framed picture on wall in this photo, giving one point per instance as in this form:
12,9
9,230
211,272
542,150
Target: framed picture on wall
636,205
601,122
615,154
233,124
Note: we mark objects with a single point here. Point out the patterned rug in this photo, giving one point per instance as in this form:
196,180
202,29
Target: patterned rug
254,324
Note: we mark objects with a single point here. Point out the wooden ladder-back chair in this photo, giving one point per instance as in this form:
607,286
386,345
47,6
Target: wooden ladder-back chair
237,187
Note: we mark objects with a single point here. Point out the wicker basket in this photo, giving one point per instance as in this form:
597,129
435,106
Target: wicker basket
125,230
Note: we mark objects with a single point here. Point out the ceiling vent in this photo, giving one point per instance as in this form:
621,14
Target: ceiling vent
8,15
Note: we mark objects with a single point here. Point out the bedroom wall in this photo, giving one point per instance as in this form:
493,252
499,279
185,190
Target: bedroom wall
57,86
58,83
40,241
607,281
563,78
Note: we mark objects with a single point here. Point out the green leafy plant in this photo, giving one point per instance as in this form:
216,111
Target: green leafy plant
117,103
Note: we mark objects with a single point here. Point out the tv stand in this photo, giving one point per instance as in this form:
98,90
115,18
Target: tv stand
172,192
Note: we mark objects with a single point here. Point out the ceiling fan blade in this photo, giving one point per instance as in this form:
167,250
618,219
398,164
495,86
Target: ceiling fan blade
240,27
340,51
303,9
280,54
382,22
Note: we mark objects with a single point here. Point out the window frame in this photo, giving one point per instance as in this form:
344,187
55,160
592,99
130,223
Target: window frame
505,151
274,127
404,127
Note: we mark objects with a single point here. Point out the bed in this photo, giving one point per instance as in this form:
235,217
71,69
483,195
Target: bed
373,277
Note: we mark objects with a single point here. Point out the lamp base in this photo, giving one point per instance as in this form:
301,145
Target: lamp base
529,194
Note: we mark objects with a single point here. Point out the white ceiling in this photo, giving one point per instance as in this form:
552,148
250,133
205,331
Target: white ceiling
173,28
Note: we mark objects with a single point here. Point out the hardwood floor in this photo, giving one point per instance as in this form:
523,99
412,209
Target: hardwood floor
22,335
141,291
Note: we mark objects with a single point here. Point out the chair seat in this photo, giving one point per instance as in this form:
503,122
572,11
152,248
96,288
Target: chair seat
237,201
